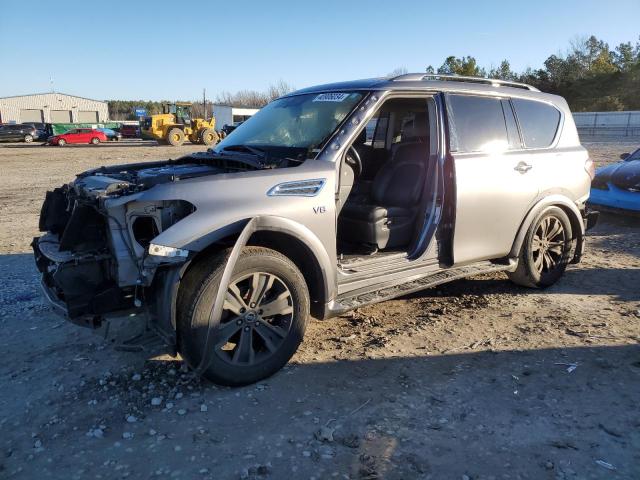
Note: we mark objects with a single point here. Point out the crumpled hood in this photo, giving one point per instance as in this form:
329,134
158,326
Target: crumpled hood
624,175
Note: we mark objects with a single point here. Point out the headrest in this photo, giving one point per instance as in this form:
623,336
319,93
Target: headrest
416,128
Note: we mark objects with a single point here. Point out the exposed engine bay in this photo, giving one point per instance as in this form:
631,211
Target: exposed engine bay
97,255
94,256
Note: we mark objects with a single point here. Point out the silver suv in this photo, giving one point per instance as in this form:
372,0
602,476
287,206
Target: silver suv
329,198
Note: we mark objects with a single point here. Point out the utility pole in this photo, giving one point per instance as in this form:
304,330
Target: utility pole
204,102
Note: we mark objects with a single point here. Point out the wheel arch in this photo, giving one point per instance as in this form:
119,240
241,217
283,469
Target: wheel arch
303,257
572,211
289,238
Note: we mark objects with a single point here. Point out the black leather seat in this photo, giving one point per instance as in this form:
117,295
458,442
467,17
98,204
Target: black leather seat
387,219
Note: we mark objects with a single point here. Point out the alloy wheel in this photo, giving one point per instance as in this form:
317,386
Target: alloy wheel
548,244
256,319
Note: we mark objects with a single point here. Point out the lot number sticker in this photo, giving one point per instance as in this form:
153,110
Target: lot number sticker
331,97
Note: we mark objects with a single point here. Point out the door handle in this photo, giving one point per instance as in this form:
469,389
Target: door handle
523,167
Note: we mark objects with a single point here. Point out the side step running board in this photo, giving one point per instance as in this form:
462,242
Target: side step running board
359,298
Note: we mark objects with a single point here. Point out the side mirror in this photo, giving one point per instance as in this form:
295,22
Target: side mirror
624,156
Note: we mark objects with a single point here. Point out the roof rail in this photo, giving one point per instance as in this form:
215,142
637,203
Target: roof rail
408,77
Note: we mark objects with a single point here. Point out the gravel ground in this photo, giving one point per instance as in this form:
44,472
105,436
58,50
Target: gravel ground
477,379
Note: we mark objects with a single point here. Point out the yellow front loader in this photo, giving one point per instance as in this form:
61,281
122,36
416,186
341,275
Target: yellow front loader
175,124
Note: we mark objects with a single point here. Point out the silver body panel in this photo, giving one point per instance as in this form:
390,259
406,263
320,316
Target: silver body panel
493,201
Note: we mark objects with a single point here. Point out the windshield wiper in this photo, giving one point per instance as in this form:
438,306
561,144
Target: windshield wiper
245,149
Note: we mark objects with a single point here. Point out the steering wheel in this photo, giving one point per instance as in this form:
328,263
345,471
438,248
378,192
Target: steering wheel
352,159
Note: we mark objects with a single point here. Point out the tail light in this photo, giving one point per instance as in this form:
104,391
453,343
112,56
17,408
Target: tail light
590,168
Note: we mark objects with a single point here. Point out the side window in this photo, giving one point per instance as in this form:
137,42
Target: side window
376,130
539,122
477,124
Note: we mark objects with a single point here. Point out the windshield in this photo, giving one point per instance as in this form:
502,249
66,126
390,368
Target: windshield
634,156
301,122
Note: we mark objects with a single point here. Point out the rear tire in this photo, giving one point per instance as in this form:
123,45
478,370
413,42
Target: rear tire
28,138
546,250
263,321
175,137
95,141
209,136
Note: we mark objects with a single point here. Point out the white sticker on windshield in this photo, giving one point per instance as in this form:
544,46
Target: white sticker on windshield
331,97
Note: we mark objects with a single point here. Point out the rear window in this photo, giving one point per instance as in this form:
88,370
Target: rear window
477,124
538,122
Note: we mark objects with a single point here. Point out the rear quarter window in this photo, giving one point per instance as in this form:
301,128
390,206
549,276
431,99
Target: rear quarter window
538,122
477,124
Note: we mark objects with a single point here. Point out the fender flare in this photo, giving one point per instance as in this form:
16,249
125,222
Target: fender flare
246,228
256,224
572,211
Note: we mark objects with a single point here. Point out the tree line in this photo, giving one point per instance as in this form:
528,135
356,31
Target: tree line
125,109
590,75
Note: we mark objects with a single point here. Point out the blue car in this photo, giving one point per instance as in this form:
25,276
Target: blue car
111,134
617,186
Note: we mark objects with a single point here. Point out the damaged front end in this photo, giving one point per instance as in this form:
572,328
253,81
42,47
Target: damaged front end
96,257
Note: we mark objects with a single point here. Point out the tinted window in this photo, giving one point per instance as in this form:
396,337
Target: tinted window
477,124
539,122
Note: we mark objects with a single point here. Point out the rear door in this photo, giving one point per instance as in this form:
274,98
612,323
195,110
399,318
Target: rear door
495,184
15,132
81,136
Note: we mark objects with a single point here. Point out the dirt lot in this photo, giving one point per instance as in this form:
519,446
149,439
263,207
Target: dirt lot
478,379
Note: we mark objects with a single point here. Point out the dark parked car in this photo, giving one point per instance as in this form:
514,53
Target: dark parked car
18,133
130,131
617,186
44,130
227,129
111,134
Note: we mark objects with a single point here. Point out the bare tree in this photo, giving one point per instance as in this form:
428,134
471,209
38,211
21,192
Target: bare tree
254,98
397,72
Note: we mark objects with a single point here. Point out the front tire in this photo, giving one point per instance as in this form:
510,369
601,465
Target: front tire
95,141
62,142
546,250
264,318
209,136
175,137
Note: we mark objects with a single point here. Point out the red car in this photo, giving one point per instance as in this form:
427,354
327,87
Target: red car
78,135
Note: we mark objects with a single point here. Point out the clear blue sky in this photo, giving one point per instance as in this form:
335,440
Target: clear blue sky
172,49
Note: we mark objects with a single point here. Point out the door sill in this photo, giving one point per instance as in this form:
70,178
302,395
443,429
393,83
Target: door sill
386,290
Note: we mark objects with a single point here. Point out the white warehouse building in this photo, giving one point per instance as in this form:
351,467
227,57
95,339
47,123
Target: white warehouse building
52,108
228,115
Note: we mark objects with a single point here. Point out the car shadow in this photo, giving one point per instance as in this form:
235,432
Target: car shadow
576,281
609,221
406,417
530,413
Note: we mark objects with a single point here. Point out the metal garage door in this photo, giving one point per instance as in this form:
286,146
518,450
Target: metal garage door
60,116
86,116
31,115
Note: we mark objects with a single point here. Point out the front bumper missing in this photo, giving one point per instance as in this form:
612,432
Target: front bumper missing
60,308
78,287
